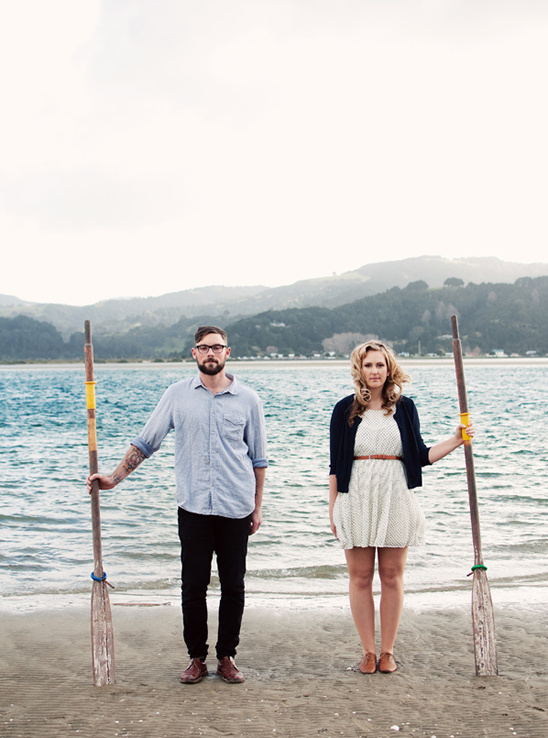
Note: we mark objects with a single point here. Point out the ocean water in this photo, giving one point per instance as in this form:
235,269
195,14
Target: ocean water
46,552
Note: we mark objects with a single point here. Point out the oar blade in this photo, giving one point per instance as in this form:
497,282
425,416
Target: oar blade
102,636
483,621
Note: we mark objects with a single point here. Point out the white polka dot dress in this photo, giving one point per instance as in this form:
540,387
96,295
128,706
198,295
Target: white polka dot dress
379,509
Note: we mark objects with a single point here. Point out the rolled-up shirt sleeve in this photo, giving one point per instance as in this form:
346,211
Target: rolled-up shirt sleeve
157,426
255,437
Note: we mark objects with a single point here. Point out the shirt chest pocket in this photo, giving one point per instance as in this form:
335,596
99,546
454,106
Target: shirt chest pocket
233,427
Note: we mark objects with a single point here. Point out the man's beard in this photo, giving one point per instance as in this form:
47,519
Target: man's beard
211,369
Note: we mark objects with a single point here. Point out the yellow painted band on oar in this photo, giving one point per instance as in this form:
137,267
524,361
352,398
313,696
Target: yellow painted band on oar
90,395
465,420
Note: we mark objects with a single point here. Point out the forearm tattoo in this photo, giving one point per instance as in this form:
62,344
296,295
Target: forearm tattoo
130,463
133,459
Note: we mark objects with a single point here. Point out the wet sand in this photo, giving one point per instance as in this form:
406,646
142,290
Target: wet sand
300,678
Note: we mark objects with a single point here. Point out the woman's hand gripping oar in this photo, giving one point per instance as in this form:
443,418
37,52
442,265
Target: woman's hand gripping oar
102,633
483,618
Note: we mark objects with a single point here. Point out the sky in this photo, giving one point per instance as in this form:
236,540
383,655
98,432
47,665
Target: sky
152,146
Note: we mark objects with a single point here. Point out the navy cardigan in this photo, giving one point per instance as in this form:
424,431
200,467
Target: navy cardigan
342,437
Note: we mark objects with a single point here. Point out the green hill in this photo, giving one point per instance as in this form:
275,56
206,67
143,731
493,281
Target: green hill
120,316
512,318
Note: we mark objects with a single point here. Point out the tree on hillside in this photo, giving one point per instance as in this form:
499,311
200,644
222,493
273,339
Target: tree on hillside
420,284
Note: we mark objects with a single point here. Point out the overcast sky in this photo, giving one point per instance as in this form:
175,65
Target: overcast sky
149,146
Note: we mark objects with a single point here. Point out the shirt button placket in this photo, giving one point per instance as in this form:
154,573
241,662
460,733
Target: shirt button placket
211,449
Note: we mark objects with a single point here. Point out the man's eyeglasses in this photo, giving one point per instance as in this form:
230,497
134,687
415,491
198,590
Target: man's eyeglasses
203,348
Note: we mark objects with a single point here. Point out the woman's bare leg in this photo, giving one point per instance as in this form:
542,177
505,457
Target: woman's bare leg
361,570
391,569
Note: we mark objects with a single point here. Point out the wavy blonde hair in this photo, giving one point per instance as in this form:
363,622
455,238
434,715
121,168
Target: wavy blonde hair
392,389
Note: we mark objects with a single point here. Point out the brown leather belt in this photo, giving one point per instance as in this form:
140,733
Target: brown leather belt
378,456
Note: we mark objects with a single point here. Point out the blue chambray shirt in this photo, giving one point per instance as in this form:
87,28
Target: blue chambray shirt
219,440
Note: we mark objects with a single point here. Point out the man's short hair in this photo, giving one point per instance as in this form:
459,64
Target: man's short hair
205,330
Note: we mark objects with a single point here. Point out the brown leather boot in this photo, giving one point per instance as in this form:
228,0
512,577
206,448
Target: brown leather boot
194,672
228,671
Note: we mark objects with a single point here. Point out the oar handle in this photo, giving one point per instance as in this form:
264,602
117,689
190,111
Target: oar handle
92,447
461,384
459,367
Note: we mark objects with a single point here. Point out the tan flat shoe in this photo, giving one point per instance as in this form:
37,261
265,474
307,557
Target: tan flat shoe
387,663
368,664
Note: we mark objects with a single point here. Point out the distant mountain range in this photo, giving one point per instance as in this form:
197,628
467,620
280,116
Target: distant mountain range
227,304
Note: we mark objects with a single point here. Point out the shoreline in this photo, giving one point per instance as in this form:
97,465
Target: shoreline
527,593
300,673
510,587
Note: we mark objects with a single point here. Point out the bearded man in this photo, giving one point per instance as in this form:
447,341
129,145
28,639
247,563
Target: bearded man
220,467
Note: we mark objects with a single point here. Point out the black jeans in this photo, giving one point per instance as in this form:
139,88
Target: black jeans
201,536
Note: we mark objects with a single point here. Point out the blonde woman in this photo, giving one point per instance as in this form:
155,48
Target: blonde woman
377,455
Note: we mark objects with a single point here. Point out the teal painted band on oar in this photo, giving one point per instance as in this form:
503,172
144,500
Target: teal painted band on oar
477,566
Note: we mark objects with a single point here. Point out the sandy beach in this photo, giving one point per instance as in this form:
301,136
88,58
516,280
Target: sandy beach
300,678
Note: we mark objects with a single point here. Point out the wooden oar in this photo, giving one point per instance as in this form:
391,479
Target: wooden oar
102,633
483,618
